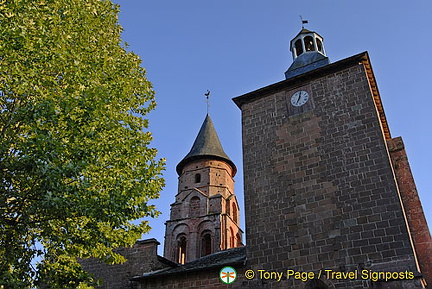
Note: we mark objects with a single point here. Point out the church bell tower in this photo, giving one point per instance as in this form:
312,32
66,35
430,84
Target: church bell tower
205,215
326,185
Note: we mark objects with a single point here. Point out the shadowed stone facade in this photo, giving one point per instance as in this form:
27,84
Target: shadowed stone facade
323,193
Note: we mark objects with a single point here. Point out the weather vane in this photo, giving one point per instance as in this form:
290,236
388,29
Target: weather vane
303,21
207,95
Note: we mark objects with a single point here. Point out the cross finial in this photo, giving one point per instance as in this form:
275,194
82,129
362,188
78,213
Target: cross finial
207,95
303,21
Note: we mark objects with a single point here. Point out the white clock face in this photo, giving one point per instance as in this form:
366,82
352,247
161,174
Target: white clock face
299,98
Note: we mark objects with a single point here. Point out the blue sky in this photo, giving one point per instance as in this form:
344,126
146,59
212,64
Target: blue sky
232,47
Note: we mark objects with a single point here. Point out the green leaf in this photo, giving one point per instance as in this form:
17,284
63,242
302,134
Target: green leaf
75,158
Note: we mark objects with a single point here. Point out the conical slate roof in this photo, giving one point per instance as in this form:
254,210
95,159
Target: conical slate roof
206,146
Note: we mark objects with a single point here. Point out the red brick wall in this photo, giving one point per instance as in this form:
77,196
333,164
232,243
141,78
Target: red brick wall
413,208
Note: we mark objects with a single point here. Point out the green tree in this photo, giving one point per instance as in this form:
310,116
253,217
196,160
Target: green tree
75,163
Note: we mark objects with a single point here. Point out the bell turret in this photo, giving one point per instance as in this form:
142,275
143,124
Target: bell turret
306,42
308,53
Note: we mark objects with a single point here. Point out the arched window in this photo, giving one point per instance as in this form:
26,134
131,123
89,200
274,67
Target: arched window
309,44
194,207
206,244
197,178
232,238
227,207
181,249
234,212
298,47
320,46
227,238
239,242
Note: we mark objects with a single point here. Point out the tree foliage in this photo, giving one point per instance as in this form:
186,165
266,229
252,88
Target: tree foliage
75,163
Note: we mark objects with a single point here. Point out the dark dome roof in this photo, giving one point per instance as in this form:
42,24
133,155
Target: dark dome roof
306,62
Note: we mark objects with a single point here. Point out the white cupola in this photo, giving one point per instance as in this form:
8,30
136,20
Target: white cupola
306,42
308,53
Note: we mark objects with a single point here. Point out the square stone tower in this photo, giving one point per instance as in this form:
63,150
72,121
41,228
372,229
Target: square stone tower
321,191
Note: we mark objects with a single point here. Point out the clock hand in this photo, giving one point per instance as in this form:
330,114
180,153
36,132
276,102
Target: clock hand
298,99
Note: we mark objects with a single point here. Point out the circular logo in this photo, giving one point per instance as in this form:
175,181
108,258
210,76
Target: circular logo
228,275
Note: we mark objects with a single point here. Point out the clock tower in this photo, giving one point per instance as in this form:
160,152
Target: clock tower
330,189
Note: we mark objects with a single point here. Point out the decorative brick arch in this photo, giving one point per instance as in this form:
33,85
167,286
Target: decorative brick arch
232,238
227,206
195,207
205,230
181,248
193,204
238,240
206,243
206,225
234,212
232,208
181,230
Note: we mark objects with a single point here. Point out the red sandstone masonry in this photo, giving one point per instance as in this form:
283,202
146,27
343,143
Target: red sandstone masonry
413,208
142,257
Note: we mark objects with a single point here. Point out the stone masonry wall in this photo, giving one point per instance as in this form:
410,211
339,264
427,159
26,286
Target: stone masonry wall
142,257
208,279
321,193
